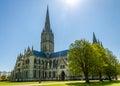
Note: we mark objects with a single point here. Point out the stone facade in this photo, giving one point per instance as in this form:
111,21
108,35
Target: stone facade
42,65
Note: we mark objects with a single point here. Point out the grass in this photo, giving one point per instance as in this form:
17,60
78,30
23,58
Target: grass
60,83
15,83
105,83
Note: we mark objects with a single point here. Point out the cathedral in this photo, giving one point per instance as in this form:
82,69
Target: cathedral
46,64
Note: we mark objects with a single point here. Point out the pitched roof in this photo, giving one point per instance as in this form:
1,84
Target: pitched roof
53,55
39,54
58,54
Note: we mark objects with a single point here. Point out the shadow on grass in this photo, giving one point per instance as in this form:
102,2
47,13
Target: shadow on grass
109,83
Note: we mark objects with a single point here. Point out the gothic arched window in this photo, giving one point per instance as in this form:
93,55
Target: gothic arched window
50,64
35,61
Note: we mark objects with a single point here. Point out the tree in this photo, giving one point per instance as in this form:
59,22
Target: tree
100,59
8,78
81,57
3,77
109,71
113,66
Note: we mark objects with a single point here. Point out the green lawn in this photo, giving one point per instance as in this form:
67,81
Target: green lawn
60,83
15,83
106,83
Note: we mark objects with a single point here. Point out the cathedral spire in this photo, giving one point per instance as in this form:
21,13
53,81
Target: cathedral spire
94,38
47,21
47,37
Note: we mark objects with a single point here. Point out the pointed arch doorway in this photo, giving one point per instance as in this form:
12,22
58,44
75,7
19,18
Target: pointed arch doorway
62,75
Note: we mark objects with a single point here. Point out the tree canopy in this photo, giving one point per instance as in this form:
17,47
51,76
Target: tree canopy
91,58
81,58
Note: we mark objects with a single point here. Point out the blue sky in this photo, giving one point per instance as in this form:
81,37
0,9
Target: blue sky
21,23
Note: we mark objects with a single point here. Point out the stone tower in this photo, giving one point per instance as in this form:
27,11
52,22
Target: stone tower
47,37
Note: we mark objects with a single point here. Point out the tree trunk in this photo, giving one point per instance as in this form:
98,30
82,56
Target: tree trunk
86,77
116,77
100,76
109,78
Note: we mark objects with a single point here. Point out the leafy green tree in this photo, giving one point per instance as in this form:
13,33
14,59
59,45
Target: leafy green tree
81,57
113,67
109,71
3,77
100,60
8,78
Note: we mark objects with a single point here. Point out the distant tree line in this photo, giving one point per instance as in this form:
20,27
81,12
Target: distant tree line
92,59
